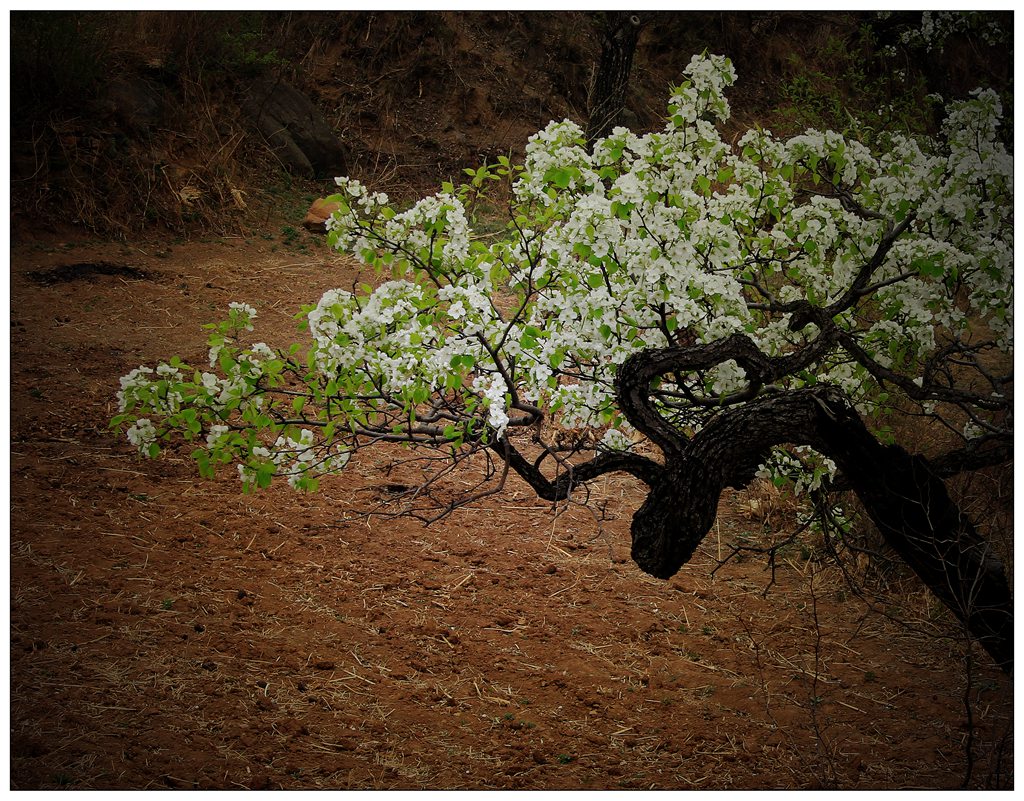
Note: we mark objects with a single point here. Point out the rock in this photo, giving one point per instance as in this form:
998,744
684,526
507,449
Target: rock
318,214
295,129
133,103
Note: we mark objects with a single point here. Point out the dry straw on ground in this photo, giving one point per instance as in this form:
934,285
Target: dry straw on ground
172,632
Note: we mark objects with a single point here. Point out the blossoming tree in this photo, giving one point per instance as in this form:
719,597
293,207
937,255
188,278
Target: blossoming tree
672,306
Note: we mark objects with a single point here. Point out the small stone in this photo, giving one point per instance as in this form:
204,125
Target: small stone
318,214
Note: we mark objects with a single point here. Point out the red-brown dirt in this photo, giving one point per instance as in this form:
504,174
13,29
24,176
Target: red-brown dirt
168,631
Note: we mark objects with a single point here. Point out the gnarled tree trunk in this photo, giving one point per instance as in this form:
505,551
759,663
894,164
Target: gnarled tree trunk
902,493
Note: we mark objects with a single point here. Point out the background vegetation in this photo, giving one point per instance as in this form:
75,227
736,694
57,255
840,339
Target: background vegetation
414,96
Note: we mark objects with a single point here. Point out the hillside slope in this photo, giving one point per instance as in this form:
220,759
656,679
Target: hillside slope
124,122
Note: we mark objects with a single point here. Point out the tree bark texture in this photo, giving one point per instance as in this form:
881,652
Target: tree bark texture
902,493
618,44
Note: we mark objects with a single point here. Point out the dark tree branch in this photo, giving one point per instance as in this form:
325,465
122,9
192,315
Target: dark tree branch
977,455
641,467
633,382
925,391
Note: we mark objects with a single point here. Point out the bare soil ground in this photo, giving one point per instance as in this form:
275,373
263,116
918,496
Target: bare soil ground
173,632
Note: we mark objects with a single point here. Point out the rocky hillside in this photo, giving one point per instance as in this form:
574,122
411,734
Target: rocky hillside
191,122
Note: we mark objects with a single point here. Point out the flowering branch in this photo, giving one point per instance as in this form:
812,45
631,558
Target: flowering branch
662,290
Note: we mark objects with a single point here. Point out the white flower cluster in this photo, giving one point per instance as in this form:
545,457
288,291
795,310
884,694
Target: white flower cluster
347,224
368,201
132,384
580,403
556,155
244,313
404,338
168,394
142,434
216,434
298,459
972,430
435,227
615,439
433,222
805,470
383,336
347,334
937,26
494,391
155,391
727,377
704,93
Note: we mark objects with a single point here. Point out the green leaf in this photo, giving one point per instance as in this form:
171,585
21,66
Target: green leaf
227,363
265,474
930,267
202,458
189,418
621,210
561,177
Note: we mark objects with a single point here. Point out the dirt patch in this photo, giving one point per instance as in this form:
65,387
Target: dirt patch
173,632
86,271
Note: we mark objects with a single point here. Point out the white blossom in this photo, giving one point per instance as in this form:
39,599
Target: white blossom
616,440
142,434
244,313
215,434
